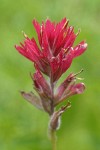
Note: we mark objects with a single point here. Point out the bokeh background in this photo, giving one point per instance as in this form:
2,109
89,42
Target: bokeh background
23,127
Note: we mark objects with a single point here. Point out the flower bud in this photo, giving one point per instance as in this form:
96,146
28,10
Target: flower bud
55,121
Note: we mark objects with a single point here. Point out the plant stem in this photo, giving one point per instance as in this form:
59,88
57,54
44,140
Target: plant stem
52,132
53,139
52,94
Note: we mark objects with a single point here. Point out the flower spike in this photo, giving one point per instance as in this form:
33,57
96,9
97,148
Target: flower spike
52,56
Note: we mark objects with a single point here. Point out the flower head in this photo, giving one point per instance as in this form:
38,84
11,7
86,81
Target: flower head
55,51
52,56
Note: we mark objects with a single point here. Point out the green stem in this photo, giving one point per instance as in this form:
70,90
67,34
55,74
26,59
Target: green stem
53,139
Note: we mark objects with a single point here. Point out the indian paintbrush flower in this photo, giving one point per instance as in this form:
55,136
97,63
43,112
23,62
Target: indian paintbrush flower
55,52
52,56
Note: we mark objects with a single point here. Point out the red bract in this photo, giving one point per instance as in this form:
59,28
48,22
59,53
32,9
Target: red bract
55,52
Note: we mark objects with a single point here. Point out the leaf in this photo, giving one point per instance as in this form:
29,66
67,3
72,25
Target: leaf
33,99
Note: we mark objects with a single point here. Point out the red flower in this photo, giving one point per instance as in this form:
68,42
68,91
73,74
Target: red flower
52,56
56,51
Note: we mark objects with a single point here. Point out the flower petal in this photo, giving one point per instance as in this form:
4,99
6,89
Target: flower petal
45,44
50,31
38,30
78,89
67,60
29,49
41,84
70,37
64,86
80,48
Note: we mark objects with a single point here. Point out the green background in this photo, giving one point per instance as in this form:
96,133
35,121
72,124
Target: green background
23,127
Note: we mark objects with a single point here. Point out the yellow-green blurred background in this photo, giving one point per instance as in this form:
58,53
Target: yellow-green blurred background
23,127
